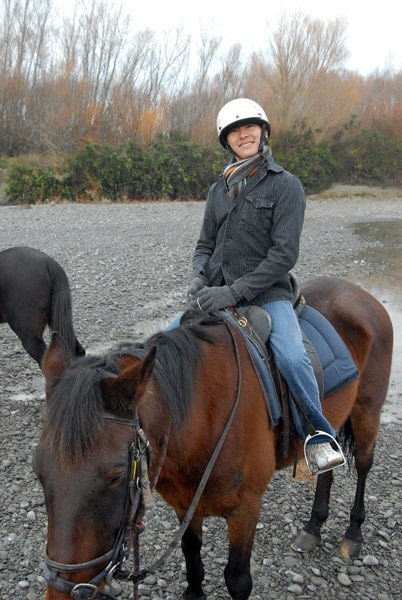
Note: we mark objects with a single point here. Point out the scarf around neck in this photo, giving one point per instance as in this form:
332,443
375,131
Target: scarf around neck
237,172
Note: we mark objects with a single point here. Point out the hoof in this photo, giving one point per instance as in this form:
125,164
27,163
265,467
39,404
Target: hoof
305,542
350,549
189,595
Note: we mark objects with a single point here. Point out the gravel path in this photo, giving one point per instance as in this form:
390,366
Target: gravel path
128,267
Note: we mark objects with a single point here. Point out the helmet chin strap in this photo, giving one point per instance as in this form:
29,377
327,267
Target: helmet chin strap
264,139
232,151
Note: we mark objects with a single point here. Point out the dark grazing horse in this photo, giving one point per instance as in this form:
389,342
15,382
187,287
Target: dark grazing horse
83,454
34,292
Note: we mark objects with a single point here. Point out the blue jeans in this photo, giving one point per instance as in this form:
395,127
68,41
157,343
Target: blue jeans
175,323
294,365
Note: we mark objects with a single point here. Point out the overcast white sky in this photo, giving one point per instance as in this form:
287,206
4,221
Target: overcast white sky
374,28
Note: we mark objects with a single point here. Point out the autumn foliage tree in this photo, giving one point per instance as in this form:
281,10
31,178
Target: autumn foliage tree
92,77
300,75
382,102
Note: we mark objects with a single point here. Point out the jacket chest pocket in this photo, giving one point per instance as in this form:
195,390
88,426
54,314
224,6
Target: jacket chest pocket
257,212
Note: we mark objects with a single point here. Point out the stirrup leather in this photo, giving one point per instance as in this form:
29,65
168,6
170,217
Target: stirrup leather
313,469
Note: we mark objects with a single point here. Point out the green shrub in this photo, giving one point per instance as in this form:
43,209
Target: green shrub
97,171
182,170
30,183
173,168
297,152
167,169
368,156
138,184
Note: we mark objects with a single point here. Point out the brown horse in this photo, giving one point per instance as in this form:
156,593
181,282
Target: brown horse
83,454
35,292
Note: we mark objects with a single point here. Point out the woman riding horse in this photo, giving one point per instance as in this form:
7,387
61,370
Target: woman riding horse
249,242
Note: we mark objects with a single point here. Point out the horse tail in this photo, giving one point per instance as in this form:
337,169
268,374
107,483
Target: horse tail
347,440
61,312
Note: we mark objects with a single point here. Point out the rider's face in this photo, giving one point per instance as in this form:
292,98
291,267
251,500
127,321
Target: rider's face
245,140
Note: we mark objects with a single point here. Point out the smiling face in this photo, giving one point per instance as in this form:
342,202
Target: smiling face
244,140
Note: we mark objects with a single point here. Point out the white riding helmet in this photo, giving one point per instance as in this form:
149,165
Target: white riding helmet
239,112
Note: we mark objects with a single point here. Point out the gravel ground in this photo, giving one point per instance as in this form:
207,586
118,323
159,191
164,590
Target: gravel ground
128,267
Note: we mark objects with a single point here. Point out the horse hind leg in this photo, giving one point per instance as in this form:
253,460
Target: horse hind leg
352,542
35,347
363,452
310,536
191,546
32,340
362,428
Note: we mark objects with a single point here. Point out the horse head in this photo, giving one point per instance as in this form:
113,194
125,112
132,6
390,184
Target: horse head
83,461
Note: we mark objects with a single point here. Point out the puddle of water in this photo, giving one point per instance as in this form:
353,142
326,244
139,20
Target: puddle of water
386,232
385,251
384,255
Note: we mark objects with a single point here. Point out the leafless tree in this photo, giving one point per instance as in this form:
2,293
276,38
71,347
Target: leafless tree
24,46
93,76
218,78
382,101
302,55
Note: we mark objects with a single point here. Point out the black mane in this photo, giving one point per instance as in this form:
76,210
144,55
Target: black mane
74,413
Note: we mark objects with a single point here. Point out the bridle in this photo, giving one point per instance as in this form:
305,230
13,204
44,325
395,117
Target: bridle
138,464
140,458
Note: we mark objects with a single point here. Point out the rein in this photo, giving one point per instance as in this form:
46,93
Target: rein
140,453
191,510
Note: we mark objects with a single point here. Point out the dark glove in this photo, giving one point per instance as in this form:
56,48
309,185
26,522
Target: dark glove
197,283
212,299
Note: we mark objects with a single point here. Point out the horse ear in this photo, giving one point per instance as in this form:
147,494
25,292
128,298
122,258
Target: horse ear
148,365
56,359
130,385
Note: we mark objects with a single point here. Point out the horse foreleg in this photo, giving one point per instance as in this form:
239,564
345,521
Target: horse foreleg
310,537
352,542
241,529
191,545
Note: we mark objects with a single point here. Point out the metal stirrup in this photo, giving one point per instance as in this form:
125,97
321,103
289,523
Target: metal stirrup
313,470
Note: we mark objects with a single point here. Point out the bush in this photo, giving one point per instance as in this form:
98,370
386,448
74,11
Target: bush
182,170
172,168
97,171
139,177
368,156
167,169
28,183
297,152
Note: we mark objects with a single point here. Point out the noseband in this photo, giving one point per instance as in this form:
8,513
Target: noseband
139,461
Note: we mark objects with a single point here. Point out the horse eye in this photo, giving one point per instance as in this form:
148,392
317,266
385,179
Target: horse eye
116,480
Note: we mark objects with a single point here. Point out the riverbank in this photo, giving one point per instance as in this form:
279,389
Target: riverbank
128,267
